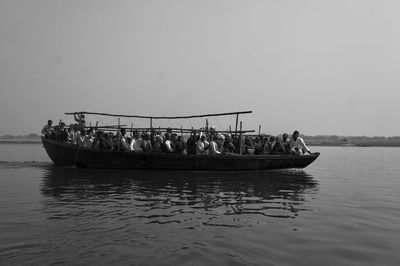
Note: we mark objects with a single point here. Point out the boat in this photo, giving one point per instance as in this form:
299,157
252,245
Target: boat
63,154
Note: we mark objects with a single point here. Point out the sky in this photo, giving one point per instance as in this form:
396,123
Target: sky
321,67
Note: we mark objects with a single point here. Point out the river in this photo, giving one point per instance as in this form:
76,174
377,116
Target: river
344,209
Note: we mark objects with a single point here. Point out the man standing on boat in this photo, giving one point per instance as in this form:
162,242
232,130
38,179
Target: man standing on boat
297,144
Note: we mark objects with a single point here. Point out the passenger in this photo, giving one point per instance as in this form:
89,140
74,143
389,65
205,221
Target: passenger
62,134
111,141
258,149
80,139
191,143
146,144
297,145
123,144
80,118
202,146
174,139
213,132
213,147
167,145
47,129
157,147
278,148
89,139
180,146
246,146
269,145
286,142
136,142
229,147
220,143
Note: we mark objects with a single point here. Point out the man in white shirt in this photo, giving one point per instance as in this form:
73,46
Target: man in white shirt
297,144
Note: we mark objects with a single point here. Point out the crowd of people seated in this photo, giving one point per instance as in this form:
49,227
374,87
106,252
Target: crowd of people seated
203,141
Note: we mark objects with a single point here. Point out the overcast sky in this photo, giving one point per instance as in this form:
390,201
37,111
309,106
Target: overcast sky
322,67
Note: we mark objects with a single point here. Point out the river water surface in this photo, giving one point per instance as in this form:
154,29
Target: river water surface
344,209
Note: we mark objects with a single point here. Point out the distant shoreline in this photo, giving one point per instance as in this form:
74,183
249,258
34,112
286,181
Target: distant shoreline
20,141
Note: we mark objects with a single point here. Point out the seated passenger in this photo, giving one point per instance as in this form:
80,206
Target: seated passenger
278,148
180,146
246,146
269,145
136,142
146,143
80,139
158,141
213,147
297,145
191,143
286,142
202,146
167,146
258,149
229,147
47,129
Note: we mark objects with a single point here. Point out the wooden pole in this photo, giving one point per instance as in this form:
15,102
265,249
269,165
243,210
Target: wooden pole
119,133
259,129
240,139
236,125
151,124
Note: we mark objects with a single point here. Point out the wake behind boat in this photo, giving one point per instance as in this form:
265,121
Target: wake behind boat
238,154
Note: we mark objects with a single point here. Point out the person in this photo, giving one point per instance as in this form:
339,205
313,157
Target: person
191,143
158,140
202,146
286,143
146,143
80,118
167,146
278,148
247,147
297,144
258,149
180,146
80,139
213,147
229,147
136,142
269,145
47,129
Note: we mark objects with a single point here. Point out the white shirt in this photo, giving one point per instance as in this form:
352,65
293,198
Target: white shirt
168,146
299,143
213,148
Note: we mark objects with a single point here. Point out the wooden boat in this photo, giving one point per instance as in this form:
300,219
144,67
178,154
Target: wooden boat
70,155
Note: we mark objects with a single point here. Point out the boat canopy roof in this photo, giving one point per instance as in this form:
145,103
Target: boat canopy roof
161,117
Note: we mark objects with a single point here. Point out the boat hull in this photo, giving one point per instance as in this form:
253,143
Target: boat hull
66,154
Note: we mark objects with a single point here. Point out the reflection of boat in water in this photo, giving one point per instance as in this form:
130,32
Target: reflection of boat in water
270,193
67,154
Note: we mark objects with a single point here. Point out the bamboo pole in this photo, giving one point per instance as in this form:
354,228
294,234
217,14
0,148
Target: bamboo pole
240,139
160,117
236,125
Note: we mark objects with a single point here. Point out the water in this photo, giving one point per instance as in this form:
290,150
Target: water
342,210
